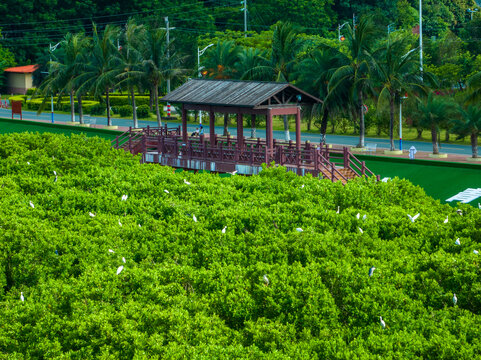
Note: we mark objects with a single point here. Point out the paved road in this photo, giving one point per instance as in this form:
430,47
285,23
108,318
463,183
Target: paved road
332,139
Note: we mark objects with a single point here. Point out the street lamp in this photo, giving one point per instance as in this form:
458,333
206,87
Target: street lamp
401,120
199,54
472,11
52,49
339,27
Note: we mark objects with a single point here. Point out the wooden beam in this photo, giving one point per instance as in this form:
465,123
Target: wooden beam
269,134
298,129
184,123
226,109
212,127
292,110
240,131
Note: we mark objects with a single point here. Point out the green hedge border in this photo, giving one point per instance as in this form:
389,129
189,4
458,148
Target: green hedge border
62,126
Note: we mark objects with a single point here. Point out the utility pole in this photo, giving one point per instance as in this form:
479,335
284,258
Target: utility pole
244,2
421,36
167,28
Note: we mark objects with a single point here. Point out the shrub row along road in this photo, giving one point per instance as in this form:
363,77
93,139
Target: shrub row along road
279,134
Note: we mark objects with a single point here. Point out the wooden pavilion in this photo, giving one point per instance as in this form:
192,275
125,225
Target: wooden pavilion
174,146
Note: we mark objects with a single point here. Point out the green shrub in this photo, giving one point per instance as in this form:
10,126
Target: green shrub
125,111
116,100
31,91
97,109
143,111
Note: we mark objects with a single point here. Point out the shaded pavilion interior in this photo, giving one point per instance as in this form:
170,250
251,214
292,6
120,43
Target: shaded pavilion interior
254,98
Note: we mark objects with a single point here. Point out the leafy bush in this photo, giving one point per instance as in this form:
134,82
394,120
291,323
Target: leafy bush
31,91
125,111
143,111
97,109
118,100
187,287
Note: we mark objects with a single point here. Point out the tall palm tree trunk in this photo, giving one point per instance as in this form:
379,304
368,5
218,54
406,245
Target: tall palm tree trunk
226,124
391,122
325,116
80,110
474,144
361,122
286,128
434,138
72,107
134,108
107,100
156,101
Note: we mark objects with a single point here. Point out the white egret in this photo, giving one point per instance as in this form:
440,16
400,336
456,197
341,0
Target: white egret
371,270
447,219
55,173
120,268
455,299
413,218
120,224
358,216
338,209
457,242
386,179
21,297
360,230
186,182
233,172
266,280
28,162
364,217
299,230
193,217
166,191
31,204
111,251
383,324
123,259
224,229
302,186
124,197
140,225
56,178
91,214
476,252
460,212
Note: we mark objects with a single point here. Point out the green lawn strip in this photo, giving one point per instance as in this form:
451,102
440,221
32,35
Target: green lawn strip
12,126
440,181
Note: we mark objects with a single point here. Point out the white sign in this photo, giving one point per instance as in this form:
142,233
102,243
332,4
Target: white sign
466,196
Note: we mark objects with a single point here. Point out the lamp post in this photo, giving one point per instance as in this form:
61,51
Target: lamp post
401,121
339,27
471,12
421,36
199,54
52,49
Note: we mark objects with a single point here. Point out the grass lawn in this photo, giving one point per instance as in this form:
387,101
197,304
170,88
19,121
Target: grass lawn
439,182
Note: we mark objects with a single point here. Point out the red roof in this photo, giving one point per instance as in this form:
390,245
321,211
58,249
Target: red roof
22,69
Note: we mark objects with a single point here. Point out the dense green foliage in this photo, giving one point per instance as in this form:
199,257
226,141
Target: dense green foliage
188,290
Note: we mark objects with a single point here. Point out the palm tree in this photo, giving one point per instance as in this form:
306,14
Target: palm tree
130,62
99,74
433,111
354,74
62,74
281,63
249,59
314,73
221,60
160,62
396,71
469,124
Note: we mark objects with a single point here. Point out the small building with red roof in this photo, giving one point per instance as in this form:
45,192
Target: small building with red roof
20,78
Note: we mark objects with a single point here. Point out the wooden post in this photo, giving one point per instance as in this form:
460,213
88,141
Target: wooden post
269,134
298,128
184,123
240,131
316,159
346,158
332,172
253,122
212,128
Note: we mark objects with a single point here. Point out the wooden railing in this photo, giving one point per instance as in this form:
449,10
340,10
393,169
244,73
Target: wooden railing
319,161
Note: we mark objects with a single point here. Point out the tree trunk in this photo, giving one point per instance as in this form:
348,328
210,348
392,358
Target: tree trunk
309,121
151,100
226,124
286,128
107,100
325,116
333,122
196,114
80,110
134,108
391,122
474,144
434,138
447,135
361,122
72,107
420,133
156,101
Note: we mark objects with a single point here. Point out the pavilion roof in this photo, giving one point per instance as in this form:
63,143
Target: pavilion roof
252,94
